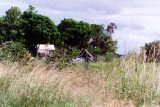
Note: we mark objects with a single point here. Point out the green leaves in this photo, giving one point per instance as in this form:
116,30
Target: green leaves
11,25
74,33
31,28
13,51
39,29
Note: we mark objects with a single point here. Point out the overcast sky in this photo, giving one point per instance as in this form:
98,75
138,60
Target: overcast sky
138,20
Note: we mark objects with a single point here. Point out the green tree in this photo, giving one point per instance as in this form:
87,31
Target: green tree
97,30
102,38
107,44
38,29
74,33
2,30
11,25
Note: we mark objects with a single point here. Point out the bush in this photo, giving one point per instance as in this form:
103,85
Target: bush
73,51
60,59
109,56
96,50
13,51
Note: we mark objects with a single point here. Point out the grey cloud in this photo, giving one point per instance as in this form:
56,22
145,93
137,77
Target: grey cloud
77,6
130,26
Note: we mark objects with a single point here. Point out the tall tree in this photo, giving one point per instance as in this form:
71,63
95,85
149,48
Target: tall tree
2,30
12,25
74,33
97,30
111,28
108,45
102,38
38,29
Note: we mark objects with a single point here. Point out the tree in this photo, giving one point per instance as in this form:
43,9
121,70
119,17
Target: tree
38,29
2,30
107,44
110,29
102,38
97,30
11,25
74,33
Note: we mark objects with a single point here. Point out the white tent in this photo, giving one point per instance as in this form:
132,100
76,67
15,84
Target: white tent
45,49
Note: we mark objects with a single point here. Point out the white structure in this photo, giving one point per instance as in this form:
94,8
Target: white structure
45,49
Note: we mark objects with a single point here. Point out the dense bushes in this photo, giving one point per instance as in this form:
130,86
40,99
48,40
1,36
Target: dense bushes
13,51
109,56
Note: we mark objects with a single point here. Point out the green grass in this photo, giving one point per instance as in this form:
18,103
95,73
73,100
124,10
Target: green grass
21,89
130,79
84,85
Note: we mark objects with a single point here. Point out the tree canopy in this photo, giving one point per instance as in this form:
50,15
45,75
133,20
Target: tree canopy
74,33
97,30
38,28
11,25
31,28
102,39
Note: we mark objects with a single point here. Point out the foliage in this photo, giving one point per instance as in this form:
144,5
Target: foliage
2,30
107,44
97,30
102,39
72,51
96,50
74,33
13,51
60,59
39,29
31,28
11,25
109,56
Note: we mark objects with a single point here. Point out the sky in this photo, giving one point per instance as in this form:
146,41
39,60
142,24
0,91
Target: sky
138,21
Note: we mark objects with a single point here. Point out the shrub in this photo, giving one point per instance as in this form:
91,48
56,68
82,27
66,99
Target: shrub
13,51
109,56
73,51
60,59
96,50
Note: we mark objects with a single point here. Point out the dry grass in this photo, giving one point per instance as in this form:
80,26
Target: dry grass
125,83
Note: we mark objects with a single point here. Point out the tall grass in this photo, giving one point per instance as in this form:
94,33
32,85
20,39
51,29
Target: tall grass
35,86
122,82
130,78
138,81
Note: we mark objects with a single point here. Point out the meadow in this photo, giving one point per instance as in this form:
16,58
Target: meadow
123,82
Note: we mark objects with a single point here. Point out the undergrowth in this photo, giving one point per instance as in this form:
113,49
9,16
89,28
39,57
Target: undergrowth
38,84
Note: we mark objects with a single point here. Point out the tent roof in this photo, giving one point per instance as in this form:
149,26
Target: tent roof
46,47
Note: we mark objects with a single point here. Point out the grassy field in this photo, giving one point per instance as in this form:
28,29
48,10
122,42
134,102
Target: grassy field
124,82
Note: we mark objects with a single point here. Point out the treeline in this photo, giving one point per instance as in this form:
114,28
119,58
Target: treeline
31,28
